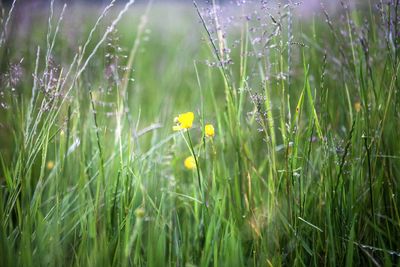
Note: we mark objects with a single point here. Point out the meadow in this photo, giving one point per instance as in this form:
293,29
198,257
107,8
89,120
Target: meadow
243,133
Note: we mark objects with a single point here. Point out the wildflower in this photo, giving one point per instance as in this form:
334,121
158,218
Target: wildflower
139,213
184,121
50,165
190,163
357,106
209,130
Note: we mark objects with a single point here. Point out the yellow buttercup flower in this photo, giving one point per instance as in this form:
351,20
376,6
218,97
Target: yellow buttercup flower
209,130
50,165
357,106
190,163
184,121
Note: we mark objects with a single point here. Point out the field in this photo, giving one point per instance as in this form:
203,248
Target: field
245,133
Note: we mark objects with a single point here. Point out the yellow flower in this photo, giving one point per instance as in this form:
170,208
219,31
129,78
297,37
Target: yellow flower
184,121
209,130
139,212
50,165
357,106
190,163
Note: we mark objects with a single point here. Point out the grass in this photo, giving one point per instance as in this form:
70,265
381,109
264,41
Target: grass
303,169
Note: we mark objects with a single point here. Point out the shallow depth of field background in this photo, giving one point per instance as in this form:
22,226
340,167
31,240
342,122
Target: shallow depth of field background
303,169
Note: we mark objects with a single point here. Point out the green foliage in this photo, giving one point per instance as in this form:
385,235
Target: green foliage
302,171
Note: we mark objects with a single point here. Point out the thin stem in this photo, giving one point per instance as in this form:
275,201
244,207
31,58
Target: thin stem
369,175
197,163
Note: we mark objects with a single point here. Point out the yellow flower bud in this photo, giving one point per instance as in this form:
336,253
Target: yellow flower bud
209,130
139,212
50,165
357,106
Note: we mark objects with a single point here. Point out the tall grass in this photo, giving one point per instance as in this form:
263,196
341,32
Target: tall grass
303,169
